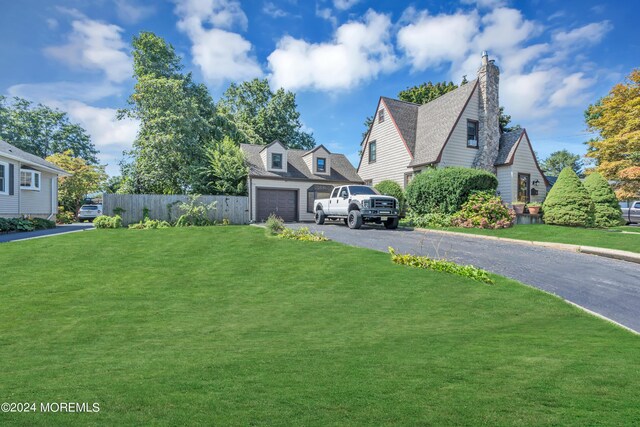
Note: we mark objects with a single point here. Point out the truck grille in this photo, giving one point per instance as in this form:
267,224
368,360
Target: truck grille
382,203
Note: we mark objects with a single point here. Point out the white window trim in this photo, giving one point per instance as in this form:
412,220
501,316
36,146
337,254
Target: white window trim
31,187
6,179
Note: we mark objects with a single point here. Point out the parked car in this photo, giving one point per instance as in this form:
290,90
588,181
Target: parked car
89,212
358,204
631,211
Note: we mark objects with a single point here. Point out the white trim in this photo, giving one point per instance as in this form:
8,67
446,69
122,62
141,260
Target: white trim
6,179
35,165
33,173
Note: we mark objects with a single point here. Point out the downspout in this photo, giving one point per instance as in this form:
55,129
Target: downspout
54,184
250,194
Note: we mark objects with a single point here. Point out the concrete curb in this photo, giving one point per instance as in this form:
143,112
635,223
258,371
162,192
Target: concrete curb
603,252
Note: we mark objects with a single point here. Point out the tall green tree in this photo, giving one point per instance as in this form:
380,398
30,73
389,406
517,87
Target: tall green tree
559,160
568,202
85,178
607,209
225,171
426,92
43,131
177,118
263,116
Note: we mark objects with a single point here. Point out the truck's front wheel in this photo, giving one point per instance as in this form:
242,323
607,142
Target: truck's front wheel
355,219
320,217
391,223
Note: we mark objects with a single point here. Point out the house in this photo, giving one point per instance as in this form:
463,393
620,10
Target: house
286,181
28,184
460,128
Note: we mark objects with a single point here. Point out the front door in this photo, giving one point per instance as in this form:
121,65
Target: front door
524,187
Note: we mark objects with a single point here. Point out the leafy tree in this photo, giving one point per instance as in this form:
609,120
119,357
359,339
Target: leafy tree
559,160
426,92
616,118
607,209
43,131
112,185
262,116
568,202
225,172
85,178
177,118
393,189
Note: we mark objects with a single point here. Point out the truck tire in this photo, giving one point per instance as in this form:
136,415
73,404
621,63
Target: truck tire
320,217
354,220
391,223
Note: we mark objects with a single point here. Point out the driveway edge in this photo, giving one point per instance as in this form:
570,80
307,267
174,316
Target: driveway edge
603,252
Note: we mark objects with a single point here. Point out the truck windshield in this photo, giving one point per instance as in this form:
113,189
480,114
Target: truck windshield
361,189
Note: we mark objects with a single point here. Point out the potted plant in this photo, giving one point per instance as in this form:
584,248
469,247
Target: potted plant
518,207
534,208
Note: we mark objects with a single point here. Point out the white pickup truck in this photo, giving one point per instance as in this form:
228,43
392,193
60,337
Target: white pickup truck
630,212
357,204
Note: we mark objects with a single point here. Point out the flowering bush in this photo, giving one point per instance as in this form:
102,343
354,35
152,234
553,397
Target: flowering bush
484,210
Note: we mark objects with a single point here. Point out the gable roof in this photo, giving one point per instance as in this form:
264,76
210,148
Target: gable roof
436,121
341,169
405,115
316,148
274,142
508,146
10,151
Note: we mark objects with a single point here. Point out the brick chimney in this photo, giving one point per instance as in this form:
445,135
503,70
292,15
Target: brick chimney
489,111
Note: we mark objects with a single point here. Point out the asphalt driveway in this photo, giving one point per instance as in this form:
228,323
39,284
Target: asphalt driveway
60,229
606,286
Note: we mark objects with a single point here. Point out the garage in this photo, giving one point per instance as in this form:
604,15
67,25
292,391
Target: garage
282,202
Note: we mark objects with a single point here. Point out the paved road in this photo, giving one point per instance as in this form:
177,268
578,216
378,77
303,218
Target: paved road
606,286
61,229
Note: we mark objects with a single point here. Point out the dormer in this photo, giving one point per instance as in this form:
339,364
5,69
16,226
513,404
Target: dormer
274,157
318,160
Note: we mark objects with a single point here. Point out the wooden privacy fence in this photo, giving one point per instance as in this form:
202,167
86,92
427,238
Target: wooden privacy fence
165,207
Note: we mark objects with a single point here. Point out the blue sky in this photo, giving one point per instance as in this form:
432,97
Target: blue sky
339,56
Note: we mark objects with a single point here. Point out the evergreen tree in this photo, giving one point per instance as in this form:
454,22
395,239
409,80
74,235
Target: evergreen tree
607,209
568,202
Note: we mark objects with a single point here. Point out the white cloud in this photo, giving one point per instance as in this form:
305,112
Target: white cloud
52,23
327,14
269,8
572,91
588,34
433,40
503,30
486,4
345,4
95,45
130,12
359,51
64,91
220,54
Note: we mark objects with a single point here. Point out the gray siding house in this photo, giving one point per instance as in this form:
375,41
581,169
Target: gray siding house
28,184
286,181
460,128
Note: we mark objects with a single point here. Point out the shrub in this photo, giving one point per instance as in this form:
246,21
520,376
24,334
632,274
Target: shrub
302,234
484,210
607,209
274,224
393,189
469,271
568,202
196,213
149,224
104,221
430,220
42,224
64,217
445,190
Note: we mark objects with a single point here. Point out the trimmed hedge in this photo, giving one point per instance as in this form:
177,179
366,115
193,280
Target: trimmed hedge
445,190
393,189
607,208
568,202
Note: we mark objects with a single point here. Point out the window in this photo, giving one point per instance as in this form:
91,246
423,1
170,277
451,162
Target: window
29,179
357,190
276,160
472,134
334,193
372,152
381,116
4,178
321,164
344,193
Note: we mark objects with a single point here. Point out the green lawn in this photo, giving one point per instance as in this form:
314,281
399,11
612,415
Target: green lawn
611,239
224,326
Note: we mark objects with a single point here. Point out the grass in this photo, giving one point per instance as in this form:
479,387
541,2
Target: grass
225,326
602,238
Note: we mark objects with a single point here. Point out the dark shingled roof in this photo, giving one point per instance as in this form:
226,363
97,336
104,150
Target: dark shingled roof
508,142
405,114
6,148
341,169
